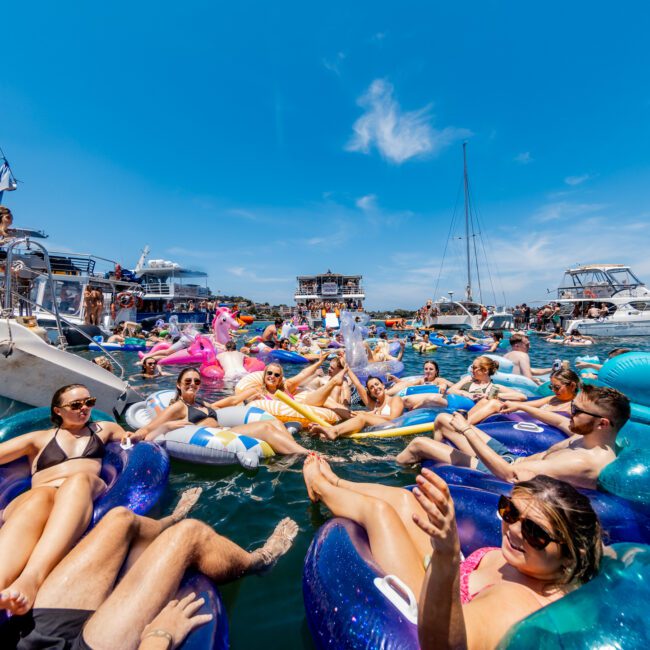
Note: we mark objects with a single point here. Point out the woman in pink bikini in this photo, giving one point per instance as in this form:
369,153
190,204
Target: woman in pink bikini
551,544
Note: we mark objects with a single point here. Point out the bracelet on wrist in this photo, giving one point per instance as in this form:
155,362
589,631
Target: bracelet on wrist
163,634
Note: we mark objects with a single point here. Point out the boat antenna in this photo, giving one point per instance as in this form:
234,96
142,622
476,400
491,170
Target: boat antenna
468,289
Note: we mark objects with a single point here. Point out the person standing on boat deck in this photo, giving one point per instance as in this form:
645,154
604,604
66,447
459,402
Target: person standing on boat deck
89,305
520,358
98,305
593,311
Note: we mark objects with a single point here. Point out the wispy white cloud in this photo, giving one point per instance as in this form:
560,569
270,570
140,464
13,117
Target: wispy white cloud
334,65
367,202
577,180
565,210
398,135
524,158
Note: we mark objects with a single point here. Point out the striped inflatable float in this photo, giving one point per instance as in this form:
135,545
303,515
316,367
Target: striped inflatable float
215,446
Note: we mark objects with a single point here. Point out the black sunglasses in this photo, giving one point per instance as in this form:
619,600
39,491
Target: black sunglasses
189,382
78,404
534,535
575,410
273,374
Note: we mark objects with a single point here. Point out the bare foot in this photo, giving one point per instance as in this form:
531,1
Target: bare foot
276,545
317,430
186,503
18,597
327,472
310,472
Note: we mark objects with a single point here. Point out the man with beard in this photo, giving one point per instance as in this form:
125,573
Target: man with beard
597,414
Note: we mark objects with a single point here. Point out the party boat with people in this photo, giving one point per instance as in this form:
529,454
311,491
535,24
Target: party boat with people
604,300
323,296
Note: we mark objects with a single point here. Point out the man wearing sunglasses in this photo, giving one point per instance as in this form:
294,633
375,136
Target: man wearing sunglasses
597,414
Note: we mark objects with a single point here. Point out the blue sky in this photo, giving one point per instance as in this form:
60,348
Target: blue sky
258,141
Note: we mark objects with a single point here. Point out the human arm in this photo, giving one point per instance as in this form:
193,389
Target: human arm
510,394
588,364
293,383
544,415
396,407
113,432
456,388
232,400
402,345
174,622
175,411
361,389
25,445
441,623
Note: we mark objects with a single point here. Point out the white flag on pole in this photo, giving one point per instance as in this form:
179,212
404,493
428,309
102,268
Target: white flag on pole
7,180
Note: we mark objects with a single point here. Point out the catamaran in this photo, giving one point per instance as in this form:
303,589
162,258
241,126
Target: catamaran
447,313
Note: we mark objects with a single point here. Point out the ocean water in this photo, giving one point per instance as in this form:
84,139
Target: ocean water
246,505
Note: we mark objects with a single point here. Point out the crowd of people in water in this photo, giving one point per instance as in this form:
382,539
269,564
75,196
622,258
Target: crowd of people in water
115,587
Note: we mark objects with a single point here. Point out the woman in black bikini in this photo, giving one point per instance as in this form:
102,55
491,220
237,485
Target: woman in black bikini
41,525
186,409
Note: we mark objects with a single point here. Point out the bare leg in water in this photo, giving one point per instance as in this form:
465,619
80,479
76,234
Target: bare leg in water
69,516
85,577
361,420
402,500
155,577
390,542
274,433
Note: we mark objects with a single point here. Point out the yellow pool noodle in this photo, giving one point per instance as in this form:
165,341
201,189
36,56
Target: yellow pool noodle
393,433
303,409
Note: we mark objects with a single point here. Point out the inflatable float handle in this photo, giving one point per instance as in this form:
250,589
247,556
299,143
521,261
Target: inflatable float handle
303,409
393,433
399,595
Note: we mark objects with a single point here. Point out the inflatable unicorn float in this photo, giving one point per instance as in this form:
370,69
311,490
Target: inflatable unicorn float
209,351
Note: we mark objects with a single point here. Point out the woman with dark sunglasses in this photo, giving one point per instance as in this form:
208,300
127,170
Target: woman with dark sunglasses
551,544
41,525
186,408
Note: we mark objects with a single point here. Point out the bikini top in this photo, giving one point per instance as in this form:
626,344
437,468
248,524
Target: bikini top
478,390
382,410
196,415
467,566
52,454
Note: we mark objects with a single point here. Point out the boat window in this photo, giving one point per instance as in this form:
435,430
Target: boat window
640,305
498,322
623,278
68,297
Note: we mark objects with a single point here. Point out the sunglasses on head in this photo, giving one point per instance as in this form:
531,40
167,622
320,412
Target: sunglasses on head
270,373
534,535
189,382
78,404
575,410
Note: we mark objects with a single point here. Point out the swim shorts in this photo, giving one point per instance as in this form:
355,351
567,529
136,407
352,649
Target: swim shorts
501,449
57,629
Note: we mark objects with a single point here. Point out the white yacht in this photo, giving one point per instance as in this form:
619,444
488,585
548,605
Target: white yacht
169,289
622,299
31,368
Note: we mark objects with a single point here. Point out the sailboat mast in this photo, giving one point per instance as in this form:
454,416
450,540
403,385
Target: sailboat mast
468,288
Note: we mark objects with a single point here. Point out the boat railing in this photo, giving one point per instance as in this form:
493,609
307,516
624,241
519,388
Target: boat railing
10,294
20,264
71,325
